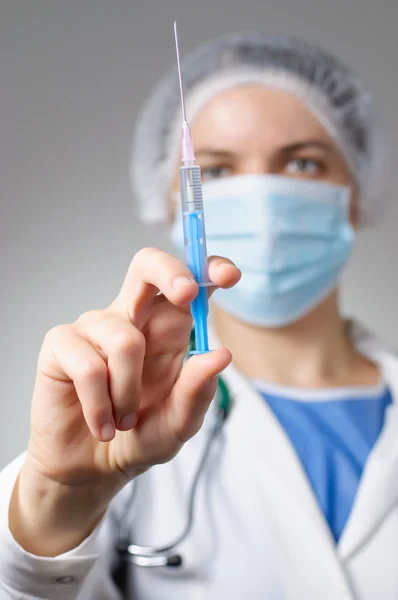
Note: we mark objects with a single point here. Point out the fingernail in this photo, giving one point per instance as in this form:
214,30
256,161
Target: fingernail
127,422
182,281
107,432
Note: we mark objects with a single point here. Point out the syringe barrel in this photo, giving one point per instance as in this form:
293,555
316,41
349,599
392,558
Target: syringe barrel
191,188
193,222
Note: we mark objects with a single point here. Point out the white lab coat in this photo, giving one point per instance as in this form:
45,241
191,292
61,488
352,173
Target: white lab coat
258,534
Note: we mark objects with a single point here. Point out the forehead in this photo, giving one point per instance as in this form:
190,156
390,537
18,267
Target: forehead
255,114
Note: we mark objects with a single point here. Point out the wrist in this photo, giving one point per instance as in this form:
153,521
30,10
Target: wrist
48,518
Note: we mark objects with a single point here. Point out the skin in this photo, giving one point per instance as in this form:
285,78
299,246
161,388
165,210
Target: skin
112,396
111,399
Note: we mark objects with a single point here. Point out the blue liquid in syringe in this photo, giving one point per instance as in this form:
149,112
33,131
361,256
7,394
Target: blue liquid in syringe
196,258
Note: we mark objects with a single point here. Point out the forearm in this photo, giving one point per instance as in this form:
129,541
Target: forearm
80,573
47,518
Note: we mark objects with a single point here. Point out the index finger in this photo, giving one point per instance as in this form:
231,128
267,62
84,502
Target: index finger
152,271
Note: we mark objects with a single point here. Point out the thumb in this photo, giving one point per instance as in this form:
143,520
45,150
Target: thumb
193,392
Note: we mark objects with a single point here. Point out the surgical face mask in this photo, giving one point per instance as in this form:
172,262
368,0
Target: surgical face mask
289,237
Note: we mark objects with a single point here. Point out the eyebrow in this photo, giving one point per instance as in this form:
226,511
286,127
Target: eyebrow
289,149
215,153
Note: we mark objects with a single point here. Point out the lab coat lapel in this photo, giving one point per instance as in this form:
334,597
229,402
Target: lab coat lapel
378,489
306,548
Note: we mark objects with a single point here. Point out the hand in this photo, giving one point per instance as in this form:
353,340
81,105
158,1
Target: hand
112,394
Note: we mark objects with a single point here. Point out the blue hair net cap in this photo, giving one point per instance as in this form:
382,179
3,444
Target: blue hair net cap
334,93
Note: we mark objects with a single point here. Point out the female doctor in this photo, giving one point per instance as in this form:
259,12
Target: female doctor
289,491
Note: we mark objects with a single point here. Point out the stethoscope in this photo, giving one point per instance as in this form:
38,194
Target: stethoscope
165,556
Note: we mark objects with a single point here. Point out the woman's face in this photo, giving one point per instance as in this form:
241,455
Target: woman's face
256,130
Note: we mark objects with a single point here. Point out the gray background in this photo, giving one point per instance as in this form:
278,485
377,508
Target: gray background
72,75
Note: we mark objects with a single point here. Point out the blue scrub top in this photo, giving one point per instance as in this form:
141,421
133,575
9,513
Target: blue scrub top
333,432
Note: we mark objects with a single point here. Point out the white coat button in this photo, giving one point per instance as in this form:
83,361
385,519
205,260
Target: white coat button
65,579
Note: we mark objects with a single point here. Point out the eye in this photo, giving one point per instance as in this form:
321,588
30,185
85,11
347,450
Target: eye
214,172
305,166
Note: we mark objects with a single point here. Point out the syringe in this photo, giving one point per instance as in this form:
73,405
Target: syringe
193,224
